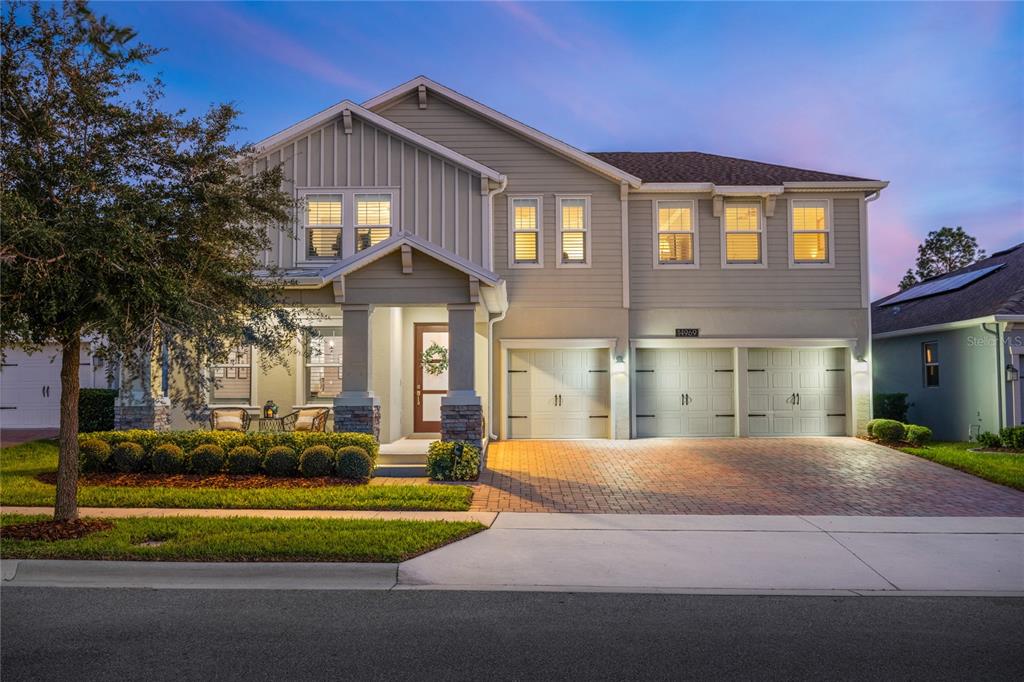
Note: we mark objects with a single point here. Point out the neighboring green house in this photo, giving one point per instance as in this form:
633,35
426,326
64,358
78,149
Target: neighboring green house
954,344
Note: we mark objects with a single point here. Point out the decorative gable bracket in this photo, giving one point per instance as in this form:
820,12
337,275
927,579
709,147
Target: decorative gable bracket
406,259
339,289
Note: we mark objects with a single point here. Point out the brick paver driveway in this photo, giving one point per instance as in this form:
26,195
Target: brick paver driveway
812,476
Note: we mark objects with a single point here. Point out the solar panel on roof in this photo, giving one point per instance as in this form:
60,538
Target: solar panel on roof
939,286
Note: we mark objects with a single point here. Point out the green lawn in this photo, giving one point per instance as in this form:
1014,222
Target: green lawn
244,539
19,465
997,467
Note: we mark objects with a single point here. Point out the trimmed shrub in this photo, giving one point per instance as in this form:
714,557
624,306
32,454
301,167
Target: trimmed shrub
317,460
206,459
453,461
918,435
1012,437
870,428
888,430
127,458
96,409
244,460
892,406
281,460
93,456
989,440
353,464
168,459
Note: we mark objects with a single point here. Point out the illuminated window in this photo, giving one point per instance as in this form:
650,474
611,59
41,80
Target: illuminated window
373,219
323,364
675,226
810,231
573,224
524,223
323,225
232,379
930,358
743,234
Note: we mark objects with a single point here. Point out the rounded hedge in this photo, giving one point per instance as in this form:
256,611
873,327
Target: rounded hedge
93,456
918,435
453,461
870,428
127,458
316,460
206,459
888,430
168,459
989,440
244,460
281,460
353,463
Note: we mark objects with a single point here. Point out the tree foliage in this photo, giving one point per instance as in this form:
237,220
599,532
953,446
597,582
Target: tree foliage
124,223
942,251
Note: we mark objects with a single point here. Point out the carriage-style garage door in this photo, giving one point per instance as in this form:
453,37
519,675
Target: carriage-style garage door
796,391
558,393
684,392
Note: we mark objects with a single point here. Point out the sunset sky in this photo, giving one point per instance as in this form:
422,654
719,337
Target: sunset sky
927,96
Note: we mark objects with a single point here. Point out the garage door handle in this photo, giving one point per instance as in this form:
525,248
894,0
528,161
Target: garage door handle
640,371
797,398
757,415
756,370
646,416
836,414
725,415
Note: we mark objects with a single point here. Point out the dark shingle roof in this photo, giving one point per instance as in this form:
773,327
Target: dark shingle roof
999,293
720,170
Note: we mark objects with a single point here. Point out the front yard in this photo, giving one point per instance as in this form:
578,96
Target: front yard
21,465
998,467
243,539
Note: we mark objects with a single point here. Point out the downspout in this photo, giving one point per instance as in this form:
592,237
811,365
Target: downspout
1000,389
491,320
502,185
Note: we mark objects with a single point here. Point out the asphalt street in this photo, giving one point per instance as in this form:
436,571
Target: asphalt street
122,634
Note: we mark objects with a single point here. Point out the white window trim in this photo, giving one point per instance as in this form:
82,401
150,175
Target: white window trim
512,264
763,241
254,402
791,203
588,236
356,226
348,220
658,265
301,383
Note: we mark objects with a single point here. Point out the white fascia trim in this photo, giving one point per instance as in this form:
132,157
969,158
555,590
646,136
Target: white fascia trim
733,342
941,327
1009,318
556,344
544,139
844,185
761,190
702,187
327,114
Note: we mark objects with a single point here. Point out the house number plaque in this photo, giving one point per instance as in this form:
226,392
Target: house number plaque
688,332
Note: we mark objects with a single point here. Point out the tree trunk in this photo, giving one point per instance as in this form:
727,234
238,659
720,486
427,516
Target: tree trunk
66,506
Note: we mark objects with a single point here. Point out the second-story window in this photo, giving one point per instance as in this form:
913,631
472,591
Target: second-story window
675,227
573,226
743,231
809,220
323,225
373,219
524,219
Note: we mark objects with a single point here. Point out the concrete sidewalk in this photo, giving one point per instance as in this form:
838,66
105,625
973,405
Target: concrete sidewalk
642,553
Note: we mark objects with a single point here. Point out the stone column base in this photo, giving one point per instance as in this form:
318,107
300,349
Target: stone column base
357,419
463,422
153,417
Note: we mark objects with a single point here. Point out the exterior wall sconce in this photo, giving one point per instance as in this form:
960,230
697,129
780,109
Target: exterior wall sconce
860,365
620,364
1012,373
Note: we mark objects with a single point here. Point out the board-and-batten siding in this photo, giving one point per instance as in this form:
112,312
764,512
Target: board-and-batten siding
777,286
531,170
438,201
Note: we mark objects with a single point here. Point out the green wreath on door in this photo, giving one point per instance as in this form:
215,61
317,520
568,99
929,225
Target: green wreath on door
435,359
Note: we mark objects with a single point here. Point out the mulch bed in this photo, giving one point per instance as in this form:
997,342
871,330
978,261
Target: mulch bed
54,530
196,481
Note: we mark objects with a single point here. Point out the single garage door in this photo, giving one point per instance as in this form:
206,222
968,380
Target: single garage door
684,392
30,387
796,391
558,393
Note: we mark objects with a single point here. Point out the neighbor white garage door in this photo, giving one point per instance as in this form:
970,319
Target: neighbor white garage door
796,391
560,393
30,387
684,392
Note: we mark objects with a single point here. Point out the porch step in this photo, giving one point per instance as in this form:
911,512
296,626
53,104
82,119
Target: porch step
418,459
401,470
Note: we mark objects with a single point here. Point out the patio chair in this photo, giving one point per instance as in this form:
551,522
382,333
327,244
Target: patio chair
306,419
229,419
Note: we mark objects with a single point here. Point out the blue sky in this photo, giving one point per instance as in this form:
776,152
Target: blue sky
929,96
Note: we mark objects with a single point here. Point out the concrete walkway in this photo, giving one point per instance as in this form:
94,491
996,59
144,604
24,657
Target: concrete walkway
640,553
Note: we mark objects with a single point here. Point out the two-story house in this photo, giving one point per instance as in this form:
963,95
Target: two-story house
481,279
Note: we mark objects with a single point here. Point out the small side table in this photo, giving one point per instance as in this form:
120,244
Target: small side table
270,424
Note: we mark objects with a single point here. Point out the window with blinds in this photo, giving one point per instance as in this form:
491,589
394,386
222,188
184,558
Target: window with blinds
743,234
573,219
232,379
525,222
323,225
323,364
675,227
373,219
810,238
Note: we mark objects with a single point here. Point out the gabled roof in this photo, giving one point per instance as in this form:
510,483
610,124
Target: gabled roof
999,292
719,170
543,139
331,112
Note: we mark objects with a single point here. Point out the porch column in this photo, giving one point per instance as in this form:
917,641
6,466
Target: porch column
461,409
138,405
356,409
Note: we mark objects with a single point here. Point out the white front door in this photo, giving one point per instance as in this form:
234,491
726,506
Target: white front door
684,392
796,391
558,393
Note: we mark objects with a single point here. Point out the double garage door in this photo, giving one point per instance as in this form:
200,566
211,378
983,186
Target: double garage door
558,393
30,387
692,392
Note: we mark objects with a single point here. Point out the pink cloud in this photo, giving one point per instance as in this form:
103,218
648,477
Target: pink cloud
534,23
893,246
